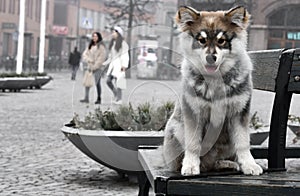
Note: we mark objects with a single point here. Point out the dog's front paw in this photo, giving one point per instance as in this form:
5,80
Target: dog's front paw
190,167
190,170
251,169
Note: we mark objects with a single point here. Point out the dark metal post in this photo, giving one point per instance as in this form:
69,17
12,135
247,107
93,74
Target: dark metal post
281,106
144,184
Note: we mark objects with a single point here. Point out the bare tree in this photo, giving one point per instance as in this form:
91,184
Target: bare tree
133,11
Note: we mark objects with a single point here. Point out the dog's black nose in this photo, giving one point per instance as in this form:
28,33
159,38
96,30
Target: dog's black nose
211,59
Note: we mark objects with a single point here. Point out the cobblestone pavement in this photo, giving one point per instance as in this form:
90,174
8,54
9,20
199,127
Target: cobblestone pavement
36,158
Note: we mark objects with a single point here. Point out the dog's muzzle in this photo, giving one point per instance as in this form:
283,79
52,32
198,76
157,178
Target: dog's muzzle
211,66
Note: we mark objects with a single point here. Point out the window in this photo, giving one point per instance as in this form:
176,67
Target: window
277,19
38,11
47,12
18,12
276,33
29,8
55,46
293,16
7,43
37,45
284,27
2,6
12,6
60,14
28,39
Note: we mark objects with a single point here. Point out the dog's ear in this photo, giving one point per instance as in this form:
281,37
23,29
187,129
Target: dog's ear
238,16
186,16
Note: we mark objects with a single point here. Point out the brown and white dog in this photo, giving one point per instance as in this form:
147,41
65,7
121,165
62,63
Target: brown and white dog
209,127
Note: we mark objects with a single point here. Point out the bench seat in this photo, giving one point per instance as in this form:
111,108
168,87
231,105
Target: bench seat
165,182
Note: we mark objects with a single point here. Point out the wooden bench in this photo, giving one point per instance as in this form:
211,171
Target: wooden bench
277,71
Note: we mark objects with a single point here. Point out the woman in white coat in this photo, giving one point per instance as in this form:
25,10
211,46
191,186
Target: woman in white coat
118,62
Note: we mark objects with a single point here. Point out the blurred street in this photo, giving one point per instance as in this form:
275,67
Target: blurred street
37,159
35,156
39,35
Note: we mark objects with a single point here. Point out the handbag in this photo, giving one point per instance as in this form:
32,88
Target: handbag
88,79
121,81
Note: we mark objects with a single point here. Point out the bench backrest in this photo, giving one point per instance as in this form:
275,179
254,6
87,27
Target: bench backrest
277,71
265,68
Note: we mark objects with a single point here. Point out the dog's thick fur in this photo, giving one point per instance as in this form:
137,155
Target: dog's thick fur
209,127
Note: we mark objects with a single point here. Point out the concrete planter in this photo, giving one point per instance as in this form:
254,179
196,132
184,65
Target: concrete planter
114,149
17,83
118,149
40,81
295,127
2,82
257,137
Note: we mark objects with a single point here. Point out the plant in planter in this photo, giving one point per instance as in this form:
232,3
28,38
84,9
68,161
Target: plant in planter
258,130
112,137
294,125
98,120
293,120
145,118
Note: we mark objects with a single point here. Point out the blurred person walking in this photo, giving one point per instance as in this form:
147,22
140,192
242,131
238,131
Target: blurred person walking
118,60
74,60
94,55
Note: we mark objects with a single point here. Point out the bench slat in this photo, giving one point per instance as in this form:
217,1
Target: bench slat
218,186
265,68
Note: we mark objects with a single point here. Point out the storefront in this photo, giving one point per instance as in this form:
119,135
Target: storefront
9,34
284,28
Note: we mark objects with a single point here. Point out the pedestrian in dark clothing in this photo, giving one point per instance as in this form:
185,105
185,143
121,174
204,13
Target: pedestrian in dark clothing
74,60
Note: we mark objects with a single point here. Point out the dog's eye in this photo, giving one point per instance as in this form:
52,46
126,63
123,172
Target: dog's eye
221,41
202,40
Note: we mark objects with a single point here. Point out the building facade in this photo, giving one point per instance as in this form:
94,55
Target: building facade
9,20
67,24
274,23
